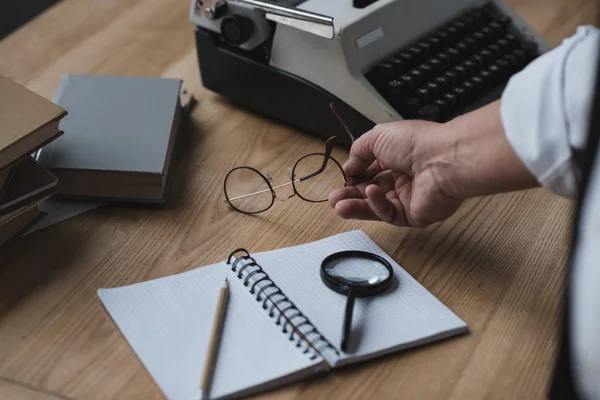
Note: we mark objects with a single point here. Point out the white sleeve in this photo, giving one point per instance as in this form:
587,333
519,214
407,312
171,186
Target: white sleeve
545,109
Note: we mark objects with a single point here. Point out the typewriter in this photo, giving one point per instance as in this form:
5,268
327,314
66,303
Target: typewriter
376,61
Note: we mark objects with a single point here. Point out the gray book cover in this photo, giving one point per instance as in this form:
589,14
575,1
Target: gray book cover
115,123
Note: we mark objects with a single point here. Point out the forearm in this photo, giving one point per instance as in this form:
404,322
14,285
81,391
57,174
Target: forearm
482,161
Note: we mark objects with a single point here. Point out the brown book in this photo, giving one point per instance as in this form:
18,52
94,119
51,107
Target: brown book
17,221
30,183
5,175
28,121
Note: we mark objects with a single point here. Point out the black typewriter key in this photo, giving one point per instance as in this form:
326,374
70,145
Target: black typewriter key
427,48
503,45
510,39
444,38
479,16
385,70
503,64
504,20
450,98
395,87
411,106
442,82
436,65
417,53
434,88
486,55
478,60
495,70
424,93
453,54
470,66
462,48
397,64
452,32
513,60
430,113
408,81
445,60
497,27
495,49
417,76
521,56
444,106
407,59
469,19
471,43
461,72
485,75
469,89
479,38
451,76
530,49
477,82
460,96
488,32
435,43
427,70
461,27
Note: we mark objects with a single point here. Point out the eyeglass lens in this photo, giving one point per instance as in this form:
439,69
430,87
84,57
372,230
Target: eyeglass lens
318,187
248,191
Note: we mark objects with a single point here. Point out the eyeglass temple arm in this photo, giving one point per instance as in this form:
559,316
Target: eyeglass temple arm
329,145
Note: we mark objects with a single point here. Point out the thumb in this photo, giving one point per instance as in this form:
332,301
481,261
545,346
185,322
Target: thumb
362,154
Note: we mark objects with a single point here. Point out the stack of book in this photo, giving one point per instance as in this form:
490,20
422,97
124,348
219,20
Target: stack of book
28,122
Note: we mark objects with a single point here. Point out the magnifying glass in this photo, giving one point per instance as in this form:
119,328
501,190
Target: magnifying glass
355,274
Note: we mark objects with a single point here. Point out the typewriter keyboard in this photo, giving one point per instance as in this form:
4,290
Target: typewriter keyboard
455,67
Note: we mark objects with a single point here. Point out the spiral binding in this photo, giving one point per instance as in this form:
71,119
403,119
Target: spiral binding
288,314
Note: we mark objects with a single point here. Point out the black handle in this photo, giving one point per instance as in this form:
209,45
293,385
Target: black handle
348,320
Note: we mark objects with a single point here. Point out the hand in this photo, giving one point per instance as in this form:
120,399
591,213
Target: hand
415,173
399,168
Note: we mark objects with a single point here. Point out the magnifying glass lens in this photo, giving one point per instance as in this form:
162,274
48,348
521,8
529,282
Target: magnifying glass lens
357,271
355,274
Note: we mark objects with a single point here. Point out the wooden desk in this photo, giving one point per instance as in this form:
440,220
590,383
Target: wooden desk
498,262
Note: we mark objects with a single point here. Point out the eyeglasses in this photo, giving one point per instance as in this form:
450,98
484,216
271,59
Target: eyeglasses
312,178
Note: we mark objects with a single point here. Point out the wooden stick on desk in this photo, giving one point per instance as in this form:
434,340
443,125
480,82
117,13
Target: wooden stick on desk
215,339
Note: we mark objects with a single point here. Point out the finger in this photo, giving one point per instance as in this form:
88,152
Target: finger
372,171
349,192
361,154
388,210
385,180
355,209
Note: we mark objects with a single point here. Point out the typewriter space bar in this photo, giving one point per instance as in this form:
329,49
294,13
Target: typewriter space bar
316,24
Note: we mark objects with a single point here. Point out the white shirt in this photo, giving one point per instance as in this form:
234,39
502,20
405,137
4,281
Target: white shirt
545,111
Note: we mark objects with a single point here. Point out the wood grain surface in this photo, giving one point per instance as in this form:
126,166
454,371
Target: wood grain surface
499,263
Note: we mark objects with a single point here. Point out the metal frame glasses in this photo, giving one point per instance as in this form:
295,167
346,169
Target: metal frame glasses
263,185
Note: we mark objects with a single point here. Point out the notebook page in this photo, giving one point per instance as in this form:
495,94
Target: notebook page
406,315
168,323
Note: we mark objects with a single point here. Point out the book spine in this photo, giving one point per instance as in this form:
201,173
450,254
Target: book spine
278,306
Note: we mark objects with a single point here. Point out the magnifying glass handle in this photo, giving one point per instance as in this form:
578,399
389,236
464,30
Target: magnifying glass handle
347,321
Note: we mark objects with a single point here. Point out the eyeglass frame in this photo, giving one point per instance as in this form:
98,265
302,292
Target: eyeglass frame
329,146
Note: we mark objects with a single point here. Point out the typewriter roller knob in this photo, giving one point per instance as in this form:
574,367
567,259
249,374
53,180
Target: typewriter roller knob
237,29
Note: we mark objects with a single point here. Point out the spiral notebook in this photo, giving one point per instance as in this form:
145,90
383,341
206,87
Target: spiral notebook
168,321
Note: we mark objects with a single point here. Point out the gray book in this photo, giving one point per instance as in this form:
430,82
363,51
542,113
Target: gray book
118,137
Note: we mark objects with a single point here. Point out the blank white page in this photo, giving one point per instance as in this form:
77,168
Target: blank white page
168,323
405,316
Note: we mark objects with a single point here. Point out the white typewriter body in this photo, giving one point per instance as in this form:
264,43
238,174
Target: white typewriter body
336,44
